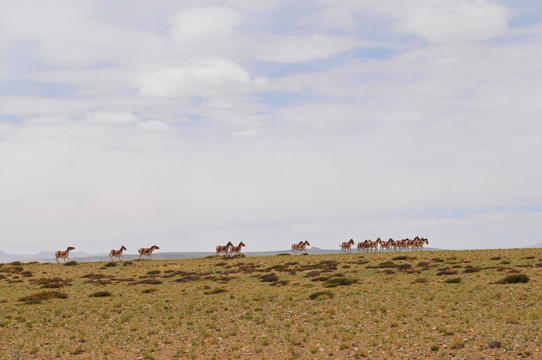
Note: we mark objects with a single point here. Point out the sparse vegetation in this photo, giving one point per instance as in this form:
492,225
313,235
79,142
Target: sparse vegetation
276,308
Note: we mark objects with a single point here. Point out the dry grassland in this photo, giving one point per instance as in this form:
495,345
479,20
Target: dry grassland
418,305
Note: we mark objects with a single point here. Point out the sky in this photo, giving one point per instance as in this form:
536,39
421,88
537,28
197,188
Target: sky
190,124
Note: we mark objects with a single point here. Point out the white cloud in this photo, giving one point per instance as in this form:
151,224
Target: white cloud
197,78
245,133
458,22
296,49
361,148
206,23
153,125
435,20
114,119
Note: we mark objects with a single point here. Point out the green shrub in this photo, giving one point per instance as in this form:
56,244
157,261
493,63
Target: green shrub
151,282
110,264
71,263
514,279
453,281
216,291
446,271
340,281
101,294
51,283
149,291
387,265
272,277
38,298
457,344
322,295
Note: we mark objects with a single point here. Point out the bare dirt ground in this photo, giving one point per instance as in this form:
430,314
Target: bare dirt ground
415,305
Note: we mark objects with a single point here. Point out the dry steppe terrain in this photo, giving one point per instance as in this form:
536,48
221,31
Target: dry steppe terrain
415,305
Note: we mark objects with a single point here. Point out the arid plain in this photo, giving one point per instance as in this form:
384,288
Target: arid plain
410,305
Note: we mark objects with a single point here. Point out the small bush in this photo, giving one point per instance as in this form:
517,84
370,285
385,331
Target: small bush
457,344
322,295
151,282
42,296
269,278
101,294
471,269
71,263
420,281
340,281
453,281
447,271
216,291
438,260
51,283
402,257
94,276
495,258
154,272
514,279
110,264
149,291
387,265
14,269
188,278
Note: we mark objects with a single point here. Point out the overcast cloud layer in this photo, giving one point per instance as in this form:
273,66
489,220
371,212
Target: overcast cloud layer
191,124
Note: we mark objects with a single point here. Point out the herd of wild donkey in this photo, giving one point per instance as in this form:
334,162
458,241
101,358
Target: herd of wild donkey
299,248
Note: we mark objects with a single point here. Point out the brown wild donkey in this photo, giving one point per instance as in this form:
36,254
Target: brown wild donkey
224,249
347,245
300,248
63,254
237,249
147,251
117,253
